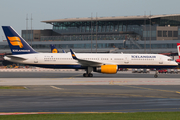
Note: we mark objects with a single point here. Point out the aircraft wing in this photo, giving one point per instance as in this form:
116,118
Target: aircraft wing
85,62
88,63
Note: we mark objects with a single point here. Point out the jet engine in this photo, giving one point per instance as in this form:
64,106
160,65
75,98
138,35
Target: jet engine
108,69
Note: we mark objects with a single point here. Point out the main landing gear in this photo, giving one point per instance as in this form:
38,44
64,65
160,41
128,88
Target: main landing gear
88,72
156,74
87,75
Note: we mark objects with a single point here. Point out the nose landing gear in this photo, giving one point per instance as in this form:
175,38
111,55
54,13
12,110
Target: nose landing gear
156,74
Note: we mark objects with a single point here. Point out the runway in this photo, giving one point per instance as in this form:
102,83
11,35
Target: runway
70,92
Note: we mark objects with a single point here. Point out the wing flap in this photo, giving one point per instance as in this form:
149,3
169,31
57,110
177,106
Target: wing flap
88,63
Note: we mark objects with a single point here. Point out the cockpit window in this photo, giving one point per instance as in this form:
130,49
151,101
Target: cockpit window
170,59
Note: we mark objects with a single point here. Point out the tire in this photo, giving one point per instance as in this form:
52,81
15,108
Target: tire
155,76
90,75
85,75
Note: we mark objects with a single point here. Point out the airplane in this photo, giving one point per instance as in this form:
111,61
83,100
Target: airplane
107,63
55,50
178,49
63,51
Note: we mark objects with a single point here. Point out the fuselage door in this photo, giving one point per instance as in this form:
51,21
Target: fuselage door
160,60
126,59
35,59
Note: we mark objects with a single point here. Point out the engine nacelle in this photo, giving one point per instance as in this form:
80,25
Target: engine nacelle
108,69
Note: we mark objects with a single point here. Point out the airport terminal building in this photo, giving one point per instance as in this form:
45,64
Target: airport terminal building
128,34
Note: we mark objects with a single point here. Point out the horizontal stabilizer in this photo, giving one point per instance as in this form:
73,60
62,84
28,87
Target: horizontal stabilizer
15,57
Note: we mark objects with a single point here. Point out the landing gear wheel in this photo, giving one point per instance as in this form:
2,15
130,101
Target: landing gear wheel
85,75
90,75
155,76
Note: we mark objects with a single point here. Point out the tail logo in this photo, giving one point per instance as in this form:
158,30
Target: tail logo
178,48
15,41
54,50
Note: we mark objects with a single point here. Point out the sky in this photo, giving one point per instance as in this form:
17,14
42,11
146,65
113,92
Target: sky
14,12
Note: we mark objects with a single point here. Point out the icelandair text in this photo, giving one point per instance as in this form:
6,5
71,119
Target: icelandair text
21,50
137,56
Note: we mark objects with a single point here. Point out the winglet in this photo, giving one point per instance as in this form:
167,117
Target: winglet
63,51
73,55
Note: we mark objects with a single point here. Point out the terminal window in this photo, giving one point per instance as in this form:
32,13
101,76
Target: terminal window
175,33
169,33
159,33
164,33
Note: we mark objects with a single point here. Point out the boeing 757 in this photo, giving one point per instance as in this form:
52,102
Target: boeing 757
109,63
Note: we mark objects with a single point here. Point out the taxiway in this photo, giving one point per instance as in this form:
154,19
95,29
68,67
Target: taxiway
70,92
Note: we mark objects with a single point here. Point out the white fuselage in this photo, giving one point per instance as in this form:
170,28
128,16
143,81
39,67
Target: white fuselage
65,60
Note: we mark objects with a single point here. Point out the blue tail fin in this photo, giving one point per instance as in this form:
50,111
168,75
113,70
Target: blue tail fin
16,43
178,48
54,49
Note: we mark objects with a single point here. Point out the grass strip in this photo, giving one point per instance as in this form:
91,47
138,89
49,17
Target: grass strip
98,116
12,87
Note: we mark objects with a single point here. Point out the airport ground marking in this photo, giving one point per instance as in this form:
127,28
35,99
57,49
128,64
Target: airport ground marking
72,77
31,113
100,111
151,89
57,88
111,94
114,82
111,82
143,109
